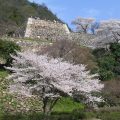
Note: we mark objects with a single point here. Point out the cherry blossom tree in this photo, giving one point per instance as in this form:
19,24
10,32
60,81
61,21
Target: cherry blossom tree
83,24
51,78
111,25
109,29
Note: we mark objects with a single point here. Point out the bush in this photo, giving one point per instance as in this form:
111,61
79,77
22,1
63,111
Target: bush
108,61
115,49
109,116
106,74
78,114
7,48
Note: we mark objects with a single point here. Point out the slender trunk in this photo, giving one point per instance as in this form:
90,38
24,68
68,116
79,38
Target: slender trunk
48,106
45,102
45,108
53,103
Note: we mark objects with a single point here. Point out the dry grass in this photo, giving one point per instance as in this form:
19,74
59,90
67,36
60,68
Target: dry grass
71,52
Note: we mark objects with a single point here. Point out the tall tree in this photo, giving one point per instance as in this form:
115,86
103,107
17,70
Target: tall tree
110,28
52,78
83,24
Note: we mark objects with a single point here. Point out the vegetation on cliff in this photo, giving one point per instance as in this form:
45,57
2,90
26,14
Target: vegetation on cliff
14,14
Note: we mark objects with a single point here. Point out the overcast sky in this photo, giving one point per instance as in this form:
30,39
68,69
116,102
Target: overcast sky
68,10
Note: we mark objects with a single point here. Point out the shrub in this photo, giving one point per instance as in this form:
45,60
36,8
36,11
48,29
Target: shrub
109,116
7,48
78,114
106,74
115,49
108,61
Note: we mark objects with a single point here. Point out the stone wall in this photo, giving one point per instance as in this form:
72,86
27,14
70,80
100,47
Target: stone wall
47,30
37,28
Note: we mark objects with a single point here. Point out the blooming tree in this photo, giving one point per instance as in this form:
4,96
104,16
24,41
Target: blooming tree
109,29
83,24
51,78
111,25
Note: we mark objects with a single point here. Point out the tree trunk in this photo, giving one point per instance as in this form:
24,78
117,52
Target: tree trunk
48,106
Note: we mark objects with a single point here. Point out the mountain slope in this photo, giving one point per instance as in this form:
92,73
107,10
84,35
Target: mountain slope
14,14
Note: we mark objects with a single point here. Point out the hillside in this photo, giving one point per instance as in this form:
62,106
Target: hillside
66,107
14,14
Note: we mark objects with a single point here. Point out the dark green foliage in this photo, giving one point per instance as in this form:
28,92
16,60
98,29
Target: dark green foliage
108,61
14,14
39,116
105,74
115,48
109,69
109,115
7,48
75,115
99,52
78,114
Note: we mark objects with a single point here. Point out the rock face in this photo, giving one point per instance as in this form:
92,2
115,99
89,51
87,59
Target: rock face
43,29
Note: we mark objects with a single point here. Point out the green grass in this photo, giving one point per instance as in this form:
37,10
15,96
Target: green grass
3,73
67,105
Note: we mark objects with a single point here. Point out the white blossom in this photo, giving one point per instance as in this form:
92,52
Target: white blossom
83,24
53,75
108,31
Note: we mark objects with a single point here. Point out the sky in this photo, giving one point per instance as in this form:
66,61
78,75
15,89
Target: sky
68,10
